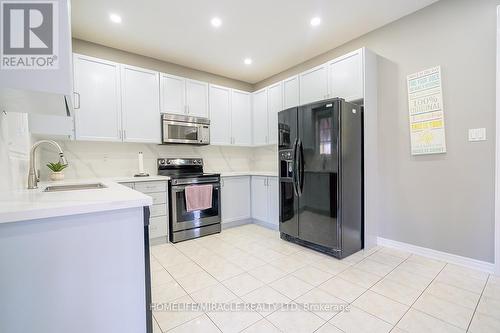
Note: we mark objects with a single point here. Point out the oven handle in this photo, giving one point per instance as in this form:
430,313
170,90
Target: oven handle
178,123
212,180
180,188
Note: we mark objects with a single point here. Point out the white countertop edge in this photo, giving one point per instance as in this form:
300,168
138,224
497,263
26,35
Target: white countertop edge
249,173
54,212
23,205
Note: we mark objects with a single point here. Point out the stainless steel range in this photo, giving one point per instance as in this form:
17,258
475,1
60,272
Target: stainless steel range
187,224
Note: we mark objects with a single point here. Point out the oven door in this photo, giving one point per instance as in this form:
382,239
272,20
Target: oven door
181,132
182,219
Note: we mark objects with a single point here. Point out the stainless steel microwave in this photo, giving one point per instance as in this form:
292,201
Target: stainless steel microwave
185,129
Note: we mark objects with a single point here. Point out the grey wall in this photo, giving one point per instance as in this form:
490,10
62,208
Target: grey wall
108,53
444,202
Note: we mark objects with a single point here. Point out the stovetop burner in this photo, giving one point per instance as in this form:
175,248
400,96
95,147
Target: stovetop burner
182,168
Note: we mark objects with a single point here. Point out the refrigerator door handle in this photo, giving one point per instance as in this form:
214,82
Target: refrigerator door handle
300,168
295,174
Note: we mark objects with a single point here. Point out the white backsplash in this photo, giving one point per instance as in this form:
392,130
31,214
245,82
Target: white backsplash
104,159
14,150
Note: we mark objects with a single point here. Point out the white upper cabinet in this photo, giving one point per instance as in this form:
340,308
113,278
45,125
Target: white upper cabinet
196,98
241,118
235,198
97,101
140,105
291,92
274,106
173,94
346,76
220,115
179,95
314,84
260,118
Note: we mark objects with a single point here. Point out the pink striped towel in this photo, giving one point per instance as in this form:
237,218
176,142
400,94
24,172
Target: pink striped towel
198,197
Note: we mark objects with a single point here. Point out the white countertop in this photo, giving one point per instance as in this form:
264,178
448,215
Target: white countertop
22,205
249,173
133,179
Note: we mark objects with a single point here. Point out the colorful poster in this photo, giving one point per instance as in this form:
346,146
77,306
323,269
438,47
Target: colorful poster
425,104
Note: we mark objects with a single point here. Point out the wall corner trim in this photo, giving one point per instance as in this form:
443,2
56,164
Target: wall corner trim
439,255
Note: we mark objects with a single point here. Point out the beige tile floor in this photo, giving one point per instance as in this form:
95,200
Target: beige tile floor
385,290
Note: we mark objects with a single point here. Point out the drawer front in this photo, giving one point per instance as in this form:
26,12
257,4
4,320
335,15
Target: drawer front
158,198
131,185
158,210
151,187
158,227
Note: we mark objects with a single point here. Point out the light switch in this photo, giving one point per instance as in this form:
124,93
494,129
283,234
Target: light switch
477,134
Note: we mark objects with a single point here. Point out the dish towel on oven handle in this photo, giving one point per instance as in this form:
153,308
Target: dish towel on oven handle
198,197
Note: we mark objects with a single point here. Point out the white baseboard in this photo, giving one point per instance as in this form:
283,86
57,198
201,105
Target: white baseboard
237,223
439,255
266,224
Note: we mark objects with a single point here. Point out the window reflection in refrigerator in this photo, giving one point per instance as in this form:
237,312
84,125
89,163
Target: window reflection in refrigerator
325,136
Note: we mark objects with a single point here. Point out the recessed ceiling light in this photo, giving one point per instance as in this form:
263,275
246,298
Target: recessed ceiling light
315,21
115,18
216,22
247,61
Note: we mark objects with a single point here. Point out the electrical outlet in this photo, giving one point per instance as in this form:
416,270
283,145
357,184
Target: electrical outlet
477,134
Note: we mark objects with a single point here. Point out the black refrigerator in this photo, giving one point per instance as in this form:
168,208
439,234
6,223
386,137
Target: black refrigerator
321,176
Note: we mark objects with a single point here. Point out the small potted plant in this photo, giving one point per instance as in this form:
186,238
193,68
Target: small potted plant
57,169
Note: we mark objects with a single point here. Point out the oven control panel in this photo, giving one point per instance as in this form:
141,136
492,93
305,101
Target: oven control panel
173,162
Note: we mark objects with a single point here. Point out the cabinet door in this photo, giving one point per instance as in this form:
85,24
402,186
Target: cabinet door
272,188
291,92
275,105
97,85
260,203
259,118
346,77
241,117
48,126
197,98
172,94
140,105
235,199
313,85
220,115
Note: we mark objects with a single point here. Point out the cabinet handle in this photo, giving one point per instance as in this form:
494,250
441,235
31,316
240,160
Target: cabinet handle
124,135
120,134
77,95
187,109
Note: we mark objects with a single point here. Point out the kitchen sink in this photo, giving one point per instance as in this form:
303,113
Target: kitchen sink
74,187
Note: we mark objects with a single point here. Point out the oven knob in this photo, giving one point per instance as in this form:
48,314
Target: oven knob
169,162
162,162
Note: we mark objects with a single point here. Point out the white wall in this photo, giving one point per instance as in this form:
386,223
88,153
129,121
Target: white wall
443,202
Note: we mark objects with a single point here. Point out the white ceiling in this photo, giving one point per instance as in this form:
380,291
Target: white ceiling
276,34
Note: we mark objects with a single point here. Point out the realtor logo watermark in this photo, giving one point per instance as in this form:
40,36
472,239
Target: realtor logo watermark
29,32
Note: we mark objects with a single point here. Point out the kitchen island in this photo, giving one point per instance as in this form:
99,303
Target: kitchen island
73,261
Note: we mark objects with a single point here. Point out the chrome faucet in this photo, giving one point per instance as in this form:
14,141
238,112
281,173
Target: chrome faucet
32,174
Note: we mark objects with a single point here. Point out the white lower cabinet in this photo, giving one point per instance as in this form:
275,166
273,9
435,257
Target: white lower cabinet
265,199
273,191
235,198
158,222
